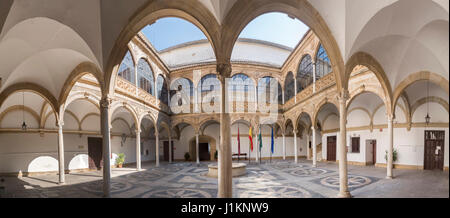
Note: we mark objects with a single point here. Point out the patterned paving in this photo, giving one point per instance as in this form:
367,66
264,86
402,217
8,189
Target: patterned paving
278,179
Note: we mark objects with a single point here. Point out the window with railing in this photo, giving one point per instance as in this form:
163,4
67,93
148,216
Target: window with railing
289,87
126,69
275,92
305,73
145,76
161,90
323,66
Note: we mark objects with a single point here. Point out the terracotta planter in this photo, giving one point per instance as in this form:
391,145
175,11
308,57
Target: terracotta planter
119,165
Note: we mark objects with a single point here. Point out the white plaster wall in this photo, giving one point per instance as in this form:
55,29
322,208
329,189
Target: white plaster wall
409,144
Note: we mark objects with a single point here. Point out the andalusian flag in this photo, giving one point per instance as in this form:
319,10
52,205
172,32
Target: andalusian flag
250,137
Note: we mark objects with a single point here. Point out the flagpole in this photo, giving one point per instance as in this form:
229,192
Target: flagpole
239,144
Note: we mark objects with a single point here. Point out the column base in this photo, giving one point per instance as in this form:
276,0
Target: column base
61,183
344,195
389,177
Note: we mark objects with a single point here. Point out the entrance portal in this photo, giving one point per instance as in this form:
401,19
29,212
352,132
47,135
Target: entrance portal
95,152
434,150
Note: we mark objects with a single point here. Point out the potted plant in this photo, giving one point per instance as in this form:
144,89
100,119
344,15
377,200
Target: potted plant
394,156
187,156
120,160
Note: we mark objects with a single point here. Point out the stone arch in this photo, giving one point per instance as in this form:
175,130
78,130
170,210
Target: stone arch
367,89
418,76
31,87
116,105
364,59
319,107
20,108
79,71
81,95
123,120
425,100
88,115
194,12
243,12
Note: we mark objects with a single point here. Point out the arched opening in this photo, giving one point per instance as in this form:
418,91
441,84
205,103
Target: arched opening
289,87
162,92
271,89
271,33
304,134
182,147
181,96
210,94
305,73
326,130
242,91
145,76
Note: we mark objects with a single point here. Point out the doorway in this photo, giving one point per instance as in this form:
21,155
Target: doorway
95,152
166,151
434,150
371,152
203,151
331,148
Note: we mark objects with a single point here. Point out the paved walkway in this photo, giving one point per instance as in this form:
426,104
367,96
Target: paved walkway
279,179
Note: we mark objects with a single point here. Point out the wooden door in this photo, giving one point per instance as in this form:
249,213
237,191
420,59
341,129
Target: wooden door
331,148
95,152
166,151
374,151
434,150
203,152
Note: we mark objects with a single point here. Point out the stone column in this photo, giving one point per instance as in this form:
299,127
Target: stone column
196,148
390,160
225,182
314,77
170,148
314,146
157,146
105,104
284,147
61,153
295,145
138,149
343,183
307,146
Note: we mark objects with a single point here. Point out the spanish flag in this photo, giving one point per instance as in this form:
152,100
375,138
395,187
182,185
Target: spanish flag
250,138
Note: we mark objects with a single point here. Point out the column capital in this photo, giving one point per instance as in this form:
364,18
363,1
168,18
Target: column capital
137,131
390,117
59,123
106,102
224,71
343,96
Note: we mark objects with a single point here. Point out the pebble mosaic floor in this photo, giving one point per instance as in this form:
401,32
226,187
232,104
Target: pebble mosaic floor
278,179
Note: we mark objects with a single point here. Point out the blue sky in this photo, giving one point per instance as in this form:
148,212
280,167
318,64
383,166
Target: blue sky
272,27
